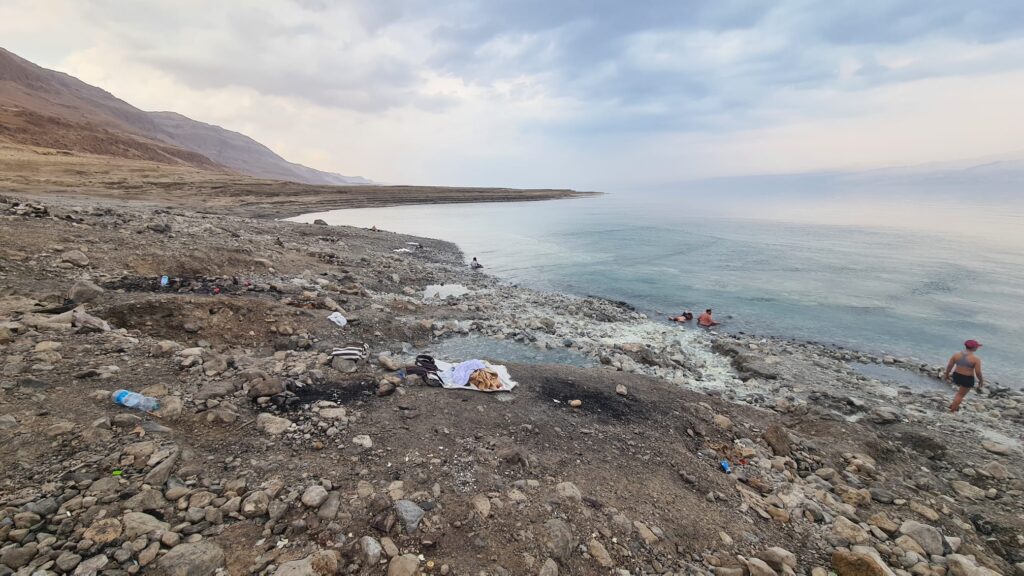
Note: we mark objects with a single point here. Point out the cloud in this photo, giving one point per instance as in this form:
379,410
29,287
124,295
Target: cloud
586,94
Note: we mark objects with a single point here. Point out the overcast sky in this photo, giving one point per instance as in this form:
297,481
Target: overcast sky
603,95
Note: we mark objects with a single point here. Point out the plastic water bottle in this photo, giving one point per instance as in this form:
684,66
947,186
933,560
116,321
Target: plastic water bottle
135,400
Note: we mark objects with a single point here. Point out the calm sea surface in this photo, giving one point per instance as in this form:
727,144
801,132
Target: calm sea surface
913,290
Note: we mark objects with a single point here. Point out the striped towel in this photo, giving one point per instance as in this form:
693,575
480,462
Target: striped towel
355,352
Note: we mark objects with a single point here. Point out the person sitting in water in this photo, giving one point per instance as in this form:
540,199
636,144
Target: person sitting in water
705,320
686,316
964,366
475,265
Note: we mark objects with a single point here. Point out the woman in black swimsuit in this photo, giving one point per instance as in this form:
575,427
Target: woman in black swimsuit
964,366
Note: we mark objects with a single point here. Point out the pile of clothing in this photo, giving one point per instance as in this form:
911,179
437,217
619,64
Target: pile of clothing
477,375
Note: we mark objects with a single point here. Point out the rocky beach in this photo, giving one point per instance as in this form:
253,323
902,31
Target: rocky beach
673,452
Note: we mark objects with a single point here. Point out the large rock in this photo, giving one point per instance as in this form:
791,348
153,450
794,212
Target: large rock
996,470
162,471
104,531
778,439
927,537
273,425
137,524
559,541
404,565
369,551
314,496
84,291
18,556
758,567
265,387
600,553
75,258
778,558
568,491
322,563
550,568
217,389
996,447
195,559
410,514
960,565
967,490
255,504
847,563
849,531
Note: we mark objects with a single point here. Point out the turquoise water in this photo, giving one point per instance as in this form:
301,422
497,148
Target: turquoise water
909,290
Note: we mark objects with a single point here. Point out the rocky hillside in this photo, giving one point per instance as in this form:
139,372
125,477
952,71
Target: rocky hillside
49,109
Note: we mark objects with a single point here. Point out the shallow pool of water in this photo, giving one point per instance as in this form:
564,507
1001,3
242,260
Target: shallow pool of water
474,346
892,374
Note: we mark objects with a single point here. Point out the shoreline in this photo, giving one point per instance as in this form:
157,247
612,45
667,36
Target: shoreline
270,455
909,362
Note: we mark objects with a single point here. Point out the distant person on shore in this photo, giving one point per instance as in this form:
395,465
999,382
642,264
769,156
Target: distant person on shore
964,366
475,265
686,316
705,320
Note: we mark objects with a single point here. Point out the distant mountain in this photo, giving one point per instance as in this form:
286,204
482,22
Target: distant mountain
49,109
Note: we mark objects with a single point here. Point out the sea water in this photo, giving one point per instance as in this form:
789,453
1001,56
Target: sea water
906,290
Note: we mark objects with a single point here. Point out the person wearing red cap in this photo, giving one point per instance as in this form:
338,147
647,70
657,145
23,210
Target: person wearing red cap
964,366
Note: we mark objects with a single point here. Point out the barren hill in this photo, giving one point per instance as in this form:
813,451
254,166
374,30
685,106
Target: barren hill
49,109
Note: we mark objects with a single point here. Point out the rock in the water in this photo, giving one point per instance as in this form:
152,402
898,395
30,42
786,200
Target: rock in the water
273,425
404,565
194,559
927,537
410,514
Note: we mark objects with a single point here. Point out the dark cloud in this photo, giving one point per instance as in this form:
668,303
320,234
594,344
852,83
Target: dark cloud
662,64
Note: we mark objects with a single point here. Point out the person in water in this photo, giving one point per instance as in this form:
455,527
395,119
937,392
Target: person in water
705,320
964,366
686,316
475,265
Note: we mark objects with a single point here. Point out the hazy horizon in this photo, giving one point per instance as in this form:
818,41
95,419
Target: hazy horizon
594,96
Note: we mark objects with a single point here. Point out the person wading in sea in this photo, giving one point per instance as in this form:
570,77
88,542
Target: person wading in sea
964,366
705,320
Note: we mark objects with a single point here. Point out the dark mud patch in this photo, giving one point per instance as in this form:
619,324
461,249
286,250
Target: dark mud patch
596,402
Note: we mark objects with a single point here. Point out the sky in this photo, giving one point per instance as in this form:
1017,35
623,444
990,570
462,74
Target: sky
596,95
